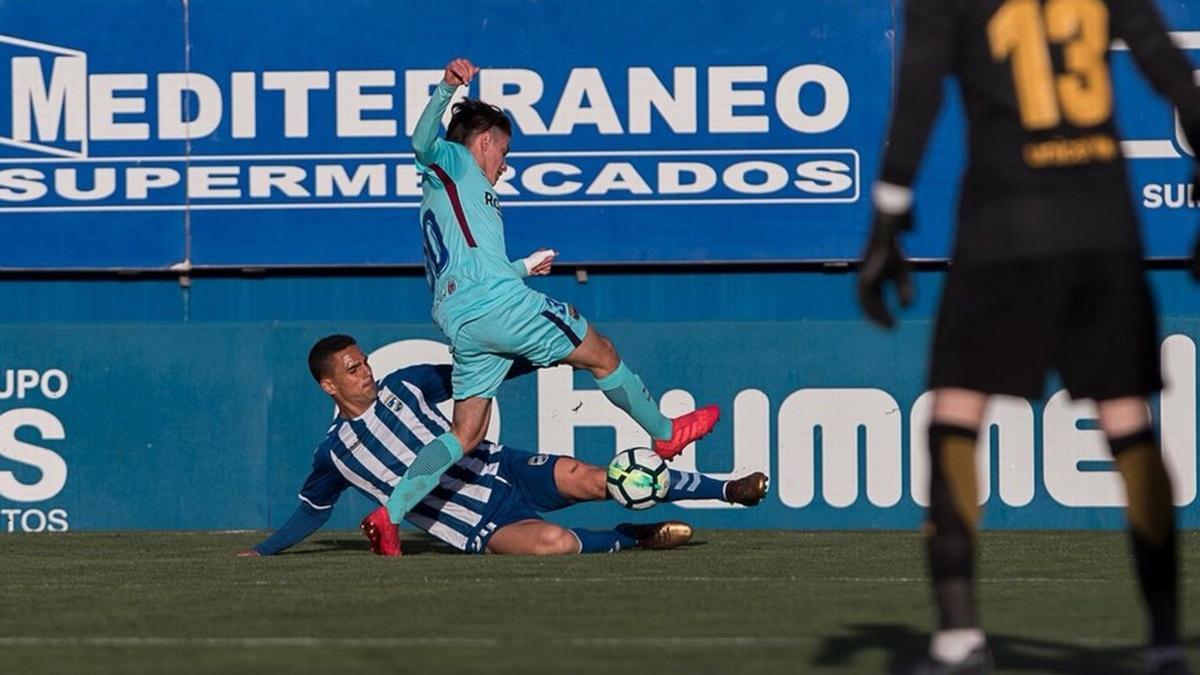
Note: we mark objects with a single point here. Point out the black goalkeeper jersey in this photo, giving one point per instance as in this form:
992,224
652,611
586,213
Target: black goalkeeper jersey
1045,175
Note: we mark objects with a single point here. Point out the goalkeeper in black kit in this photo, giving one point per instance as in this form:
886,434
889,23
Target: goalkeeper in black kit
1047,268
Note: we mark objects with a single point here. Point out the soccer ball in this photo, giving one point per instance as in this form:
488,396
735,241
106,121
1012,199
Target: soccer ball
638,478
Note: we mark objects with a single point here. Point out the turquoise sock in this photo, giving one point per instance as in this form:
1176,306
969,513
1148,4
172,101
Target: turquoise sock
625,389
687,485
422,475
605,541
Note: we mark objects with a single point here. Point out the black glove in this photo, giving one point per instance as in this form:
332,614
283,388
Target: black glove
883,261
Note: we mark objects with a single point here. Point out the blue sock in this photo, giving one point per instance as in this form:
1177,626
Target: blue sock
604,541
422,475
687,485
625,389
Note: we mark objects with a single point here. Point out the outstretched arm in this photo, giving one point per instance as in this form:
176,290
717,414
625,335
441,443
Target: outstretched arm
304,522
320,492
425,137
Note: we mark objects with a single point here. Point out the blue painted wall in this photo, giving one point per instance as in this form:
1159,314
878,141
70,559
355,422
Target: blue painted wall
191,407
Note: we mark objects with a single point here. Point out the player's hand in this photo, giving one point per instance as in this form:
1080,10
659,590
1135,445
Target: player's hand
459,72
539,262
251,553
883,261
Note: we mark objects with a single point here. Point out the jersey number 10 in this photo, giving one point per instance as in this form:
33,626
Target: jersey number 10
1021,30
436,254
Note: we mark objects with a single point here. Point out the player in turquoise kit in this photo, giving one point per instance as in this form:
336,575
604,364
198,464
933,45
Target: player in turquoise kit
481,302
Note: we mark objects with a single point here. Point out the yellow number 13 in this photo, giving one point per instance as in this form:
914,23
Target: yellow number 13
1083,94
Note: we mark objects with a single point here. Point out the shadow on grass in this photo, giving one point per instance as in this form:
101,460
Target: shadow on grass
1013,654
410,544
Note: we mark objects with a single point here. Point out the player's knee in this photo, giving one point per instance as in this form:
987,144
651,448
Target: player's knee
579,481
470,439
469,435
596,481
556,541
608,352
605,357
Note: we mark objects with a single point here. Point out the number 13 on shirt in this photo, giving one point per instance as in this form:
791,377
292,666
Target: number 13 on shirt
1022,32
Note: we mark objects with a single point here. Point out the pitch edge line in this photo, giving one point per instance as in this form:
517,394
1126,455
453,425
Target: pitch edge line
119,642
253,642
716,641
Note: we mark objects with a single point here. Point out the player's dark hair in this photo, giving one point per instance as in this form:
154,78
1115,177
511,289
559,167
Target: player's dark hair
320,354
472,116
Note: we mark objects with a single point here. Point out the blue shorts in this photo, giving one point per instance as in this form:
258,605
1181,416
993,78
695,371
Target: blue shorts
524,487
536,328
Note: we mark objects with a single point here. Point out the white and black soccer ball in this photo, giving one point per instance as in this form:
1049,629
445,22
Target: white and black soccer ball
638,478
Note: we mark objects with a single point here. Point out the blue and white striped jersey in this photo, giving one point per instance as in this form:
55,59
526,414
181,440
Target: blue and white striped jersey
372,451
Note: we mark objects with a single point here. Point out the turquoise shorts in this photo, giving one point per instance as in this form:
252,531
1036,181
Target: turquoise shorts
536,328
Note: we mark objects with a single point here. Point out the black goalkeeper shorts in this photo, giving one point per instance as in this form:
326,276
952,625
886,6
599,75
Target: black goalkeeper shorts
1001,327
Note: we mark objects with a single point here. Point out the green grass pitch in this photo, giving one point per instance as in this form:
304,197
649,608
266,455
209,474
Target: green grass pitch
730,602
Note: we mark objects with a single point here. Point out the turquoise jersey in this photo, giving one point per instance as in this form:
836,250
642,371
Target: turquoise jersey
466,262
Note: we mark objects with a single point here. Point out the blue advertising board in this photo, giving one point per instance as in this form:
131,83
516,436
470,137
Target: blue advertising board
154,135
75,78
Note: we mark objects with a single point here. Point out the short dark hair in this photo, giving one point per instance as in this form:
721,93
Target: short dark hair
326,347
472,116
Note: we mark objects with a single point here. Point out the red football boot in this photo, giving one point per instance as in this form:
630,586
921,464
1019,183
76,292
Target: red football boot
686,429
383,535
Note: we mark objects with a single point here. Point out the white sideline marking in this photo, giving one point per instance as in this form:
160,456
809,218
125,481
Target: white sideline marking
668,578
248,642
120,642
716,641
985,580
